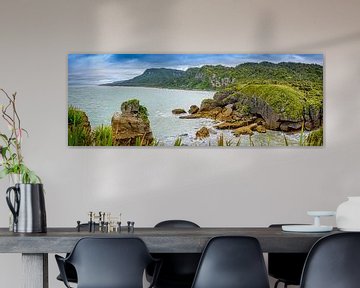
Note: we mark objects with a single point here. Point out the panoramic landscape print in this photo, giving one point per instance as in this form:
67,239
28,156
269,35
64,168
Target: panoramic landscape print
196,100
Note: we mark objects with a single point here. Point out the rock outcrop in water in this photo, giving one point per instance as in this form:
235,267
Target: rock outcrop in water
193,109
202,133
178,111
131,126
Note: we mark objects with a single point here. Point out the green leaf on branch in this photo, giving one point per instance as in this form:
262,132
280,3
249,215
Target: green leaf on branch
3,173
5,138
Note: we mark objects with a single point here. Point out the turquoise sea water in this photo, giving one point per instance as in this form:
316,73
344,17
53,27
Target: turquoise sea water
101,102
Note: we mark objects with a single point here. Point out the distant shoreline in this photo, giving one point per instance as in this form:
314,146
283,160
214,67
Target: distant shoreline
184,89
162,88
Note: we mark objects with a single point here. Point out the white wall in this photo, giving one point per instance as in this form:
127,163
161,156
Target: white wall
214,187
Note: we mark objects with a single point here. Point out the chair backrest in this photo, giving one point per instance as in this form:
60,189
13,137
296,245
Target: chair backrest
333,262
110,262
286,266
232,262
176,224
178,269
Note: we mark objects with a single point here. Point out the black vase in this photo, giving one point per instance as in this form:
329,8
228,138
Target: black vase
28,208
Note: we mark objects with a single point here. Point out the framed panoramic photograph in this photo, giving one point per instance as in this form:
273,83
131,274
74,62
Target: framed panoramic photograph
196,100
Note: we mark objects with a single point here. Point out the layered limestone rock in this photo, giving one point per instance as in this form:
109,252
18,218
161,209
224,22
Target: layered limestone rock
246,130
313,116
279,107
193,109
231,125
202,133
260,107
178,111
132,125
208,104
260,129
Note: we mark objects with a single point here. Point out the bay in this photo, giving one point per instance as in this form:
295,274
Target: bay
101,102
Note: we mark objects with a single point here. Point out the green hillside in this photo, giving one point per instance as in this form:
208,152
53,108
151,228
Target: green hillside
307,78
154,77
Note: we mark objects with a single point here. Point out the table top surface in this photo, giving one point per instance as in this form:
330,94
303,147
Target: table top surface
158,240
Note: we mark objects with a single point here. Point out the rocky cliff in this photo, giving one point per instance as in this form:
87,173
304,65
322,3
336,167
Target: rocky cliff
270,106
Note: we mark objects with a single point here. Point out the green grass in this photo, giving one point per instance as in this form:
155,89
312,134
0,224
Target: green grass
102,136
286,141
178,142
75,116
79,130
315,138
78,136
142,141
222,141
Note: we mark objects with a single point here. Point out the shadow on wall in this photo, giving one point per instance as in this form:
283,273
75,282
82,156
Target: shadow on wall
265,38
328,43
135,26
265,31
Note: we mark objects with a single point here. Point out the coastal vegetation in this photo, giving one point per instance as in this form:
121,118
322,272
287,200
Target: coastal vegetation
102,136
133,106
80,133
79,130
250,98
286,101
315,138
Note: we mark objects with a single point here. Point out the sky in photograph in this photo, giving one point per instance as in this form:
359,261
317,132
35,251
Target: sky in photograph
95,69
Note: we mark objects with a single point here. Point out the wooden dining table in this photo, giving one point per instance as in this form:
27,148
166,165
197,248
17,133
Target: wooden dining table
35,247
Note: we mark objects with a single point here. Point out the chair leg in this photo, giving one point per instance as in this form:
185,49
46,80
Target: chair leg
278,282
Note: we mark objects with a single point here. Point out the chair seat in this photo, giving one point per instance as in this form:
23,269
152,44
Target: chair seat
108,263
